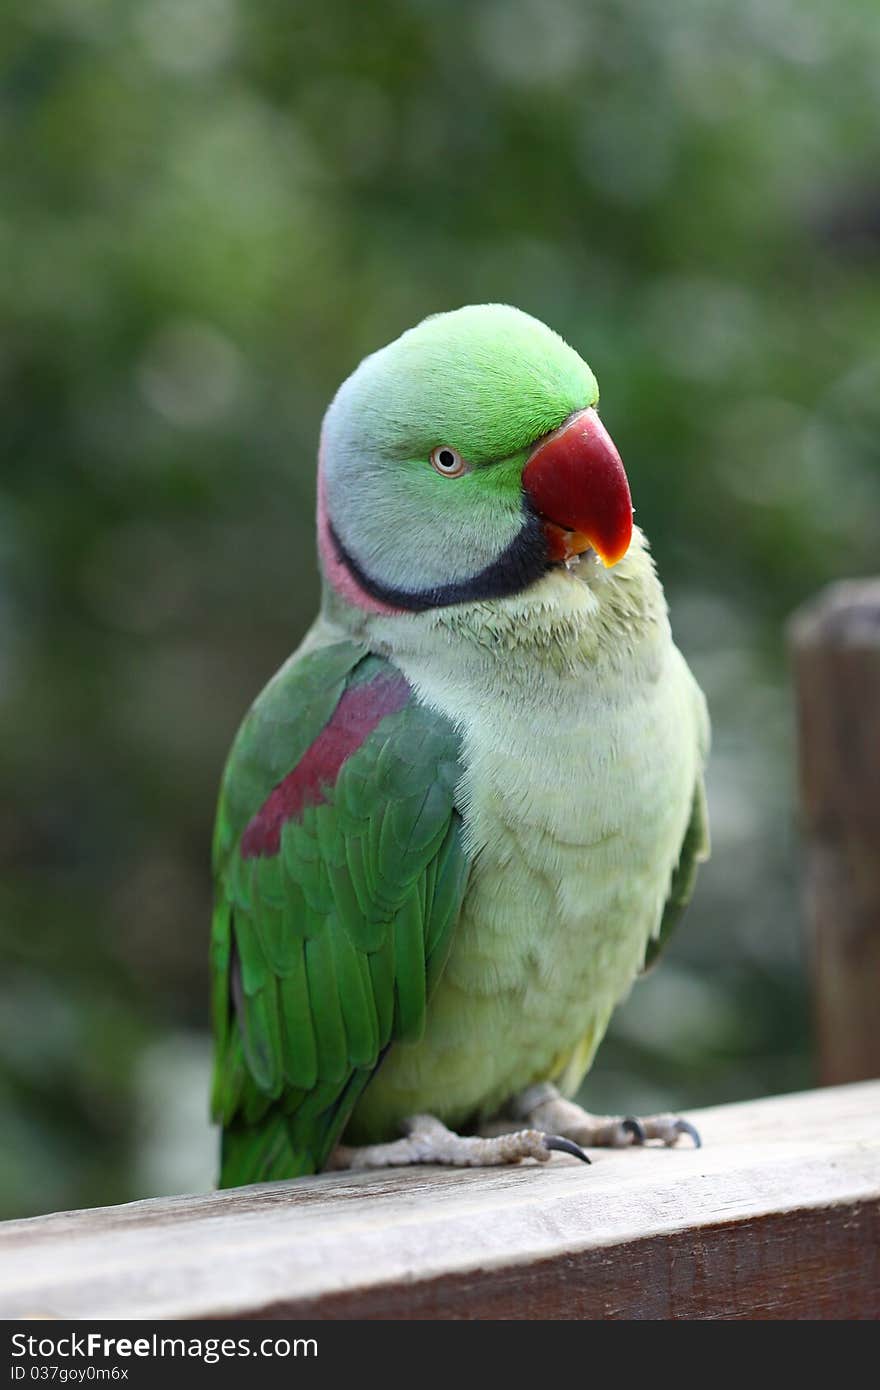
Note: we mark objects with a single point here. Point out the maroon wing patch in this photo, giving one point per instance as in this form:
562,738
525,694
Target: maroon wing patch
360,710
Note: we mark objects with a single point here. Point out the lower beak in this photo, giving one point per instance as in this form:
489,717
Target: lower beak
576,482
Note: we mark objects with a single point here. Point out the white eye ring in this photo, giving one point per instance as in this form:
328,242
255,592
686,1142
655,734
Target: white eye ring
447,461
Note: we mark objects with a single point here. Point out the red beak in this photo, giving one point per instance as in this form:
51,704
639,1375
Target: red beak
577,484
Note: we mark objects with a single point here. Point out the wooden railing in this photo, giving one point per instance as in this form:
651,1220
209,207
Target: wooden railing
777,1216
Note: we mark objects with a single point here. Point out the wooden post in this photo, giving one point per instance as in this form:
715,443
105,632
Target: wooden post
836,647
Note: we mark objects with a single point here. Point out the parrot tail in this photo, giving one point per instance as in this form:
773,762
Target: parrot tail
280,1145
263,1152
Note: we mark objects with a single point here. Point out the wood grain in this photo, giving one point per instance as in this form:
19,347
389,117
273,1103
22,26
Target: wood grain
836,649
778,1216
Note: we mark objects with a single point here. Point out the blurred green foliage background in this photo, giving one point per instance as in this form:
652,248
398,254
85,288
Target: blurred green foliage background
210,211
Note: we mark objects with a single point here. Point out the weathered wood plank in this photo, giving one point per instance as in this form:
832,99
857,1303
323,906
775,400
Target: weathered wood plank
777,1216
836,649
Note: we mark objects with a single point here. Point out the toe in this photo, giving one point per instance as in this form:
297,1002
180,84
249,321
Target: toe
632,1125
557,1144
669,1129
685,1127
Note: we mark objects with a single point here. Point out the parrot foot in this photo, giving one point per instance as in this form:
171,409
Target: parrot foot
427,1140
543,1106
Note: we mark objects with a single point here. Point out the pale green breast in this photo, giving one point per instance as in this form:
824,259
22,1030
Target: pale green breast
576,805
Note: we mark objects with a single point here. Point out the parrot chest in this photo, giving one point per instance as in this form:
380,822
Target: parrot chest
577,833
575,809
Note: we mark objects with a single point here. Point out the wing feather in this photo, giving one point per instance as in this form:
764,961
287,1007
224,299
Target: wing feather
340,871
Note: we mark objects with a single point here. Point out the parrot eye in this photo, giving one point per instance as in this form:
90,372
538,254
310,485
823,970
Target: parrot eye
447,461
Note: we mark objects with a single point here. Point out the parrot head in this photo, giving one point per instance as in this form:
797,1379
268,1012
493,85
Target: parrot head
464,460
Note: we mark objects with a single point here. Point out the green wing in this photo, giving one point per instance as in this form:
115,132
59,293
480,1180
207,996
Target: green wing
695,846
694,850
339,876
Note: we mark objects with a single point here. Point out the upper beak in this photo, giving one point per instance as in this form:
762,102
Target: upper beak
577,484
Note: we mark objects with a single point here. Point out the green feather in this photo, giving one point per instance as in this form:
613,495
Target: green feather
254,967
449,882
381,965
358,1008
409,971
326,1008
694,851
261,1033
300,1048
340,934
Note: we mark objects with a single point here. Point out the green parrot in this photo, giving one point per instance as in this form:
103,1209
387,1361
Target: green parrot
468,810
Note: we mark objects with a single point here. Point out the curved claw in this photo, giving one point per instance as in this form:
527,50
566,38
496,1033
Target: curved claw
565,1146
633,1126
685,1127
